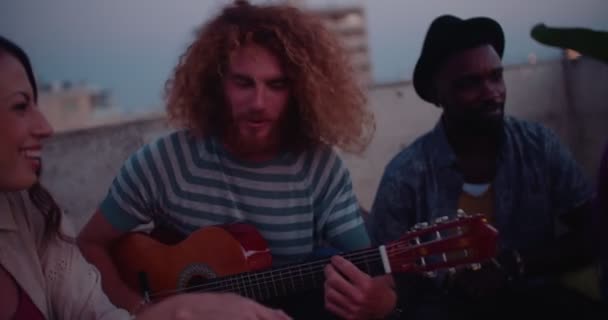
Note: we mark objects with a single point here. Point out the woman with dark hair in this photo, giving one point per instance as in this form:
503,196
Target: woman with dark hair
42,273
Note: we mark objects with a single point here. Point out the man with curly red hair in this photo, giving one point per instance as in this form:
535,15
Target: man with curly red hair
263,95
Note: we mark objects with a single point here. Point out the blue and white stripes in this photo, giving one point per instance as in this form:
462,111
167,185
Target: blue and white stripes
294,200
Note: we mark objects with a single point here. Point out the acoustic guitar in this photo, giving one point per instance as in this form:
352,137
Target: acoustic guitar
235,258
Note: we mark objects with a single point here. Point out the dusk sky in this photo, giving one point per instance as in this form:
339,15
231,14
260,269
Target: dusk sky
131,46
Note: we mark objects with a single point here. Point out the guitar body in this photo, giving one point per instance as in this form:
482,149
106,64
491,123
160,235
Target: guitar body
207,253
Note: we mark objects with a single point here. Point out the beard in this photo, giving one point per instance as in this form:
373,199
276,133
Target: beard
253,133
485,120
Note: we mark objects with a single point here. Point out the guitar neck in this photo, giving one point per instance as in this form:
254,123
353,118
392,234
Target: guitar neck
287,280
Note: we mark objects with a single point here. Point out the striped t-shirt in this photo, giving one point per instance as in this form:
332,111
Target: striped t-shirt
296,201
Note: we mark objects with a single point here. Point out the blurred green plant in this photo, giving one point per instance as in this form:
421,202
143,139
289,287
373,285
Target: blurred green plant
588,42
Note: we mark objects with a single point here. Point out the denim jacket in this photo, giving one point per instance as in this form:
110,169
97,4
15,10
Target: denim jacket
537,180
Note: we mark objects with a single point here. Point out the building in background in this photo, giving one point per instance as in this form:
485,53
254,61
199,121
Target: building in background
350,25
71,106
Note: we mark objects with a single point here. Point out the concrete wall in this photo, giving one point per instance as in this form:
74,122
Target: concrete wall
80,165
566,96
587,84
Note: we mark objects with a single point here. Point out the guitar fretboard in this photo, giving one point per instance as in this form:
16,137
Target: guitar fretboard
286,280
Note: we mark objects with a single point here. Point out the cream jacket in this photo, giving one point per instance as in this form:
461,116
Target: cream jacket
60,282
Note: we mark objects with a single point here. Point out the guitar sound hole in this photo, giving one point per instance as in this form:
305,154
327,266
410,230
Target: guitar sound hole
195,283
195,277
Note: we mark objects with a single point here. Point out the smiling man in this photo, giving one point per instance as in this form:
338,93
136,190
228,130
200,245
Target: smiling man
265,94
477,159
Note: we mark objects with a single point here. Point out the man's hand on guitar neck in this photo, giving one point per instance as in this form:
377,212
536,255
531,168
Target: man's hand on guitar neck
352,294
210,306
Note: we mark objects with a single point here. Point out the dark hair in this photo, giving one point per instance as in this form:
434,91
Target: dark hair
39,196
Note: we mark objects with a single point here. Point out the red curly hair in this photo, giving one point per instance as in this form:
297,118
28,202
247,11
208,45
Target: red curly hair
328,104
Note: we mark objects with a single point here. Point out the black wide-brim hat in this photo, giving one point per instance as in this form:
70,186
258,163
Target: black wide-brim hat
446,36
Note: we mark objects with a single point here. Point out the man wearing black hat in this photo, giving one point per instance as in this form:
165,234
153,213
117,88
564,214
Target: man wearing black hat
479,160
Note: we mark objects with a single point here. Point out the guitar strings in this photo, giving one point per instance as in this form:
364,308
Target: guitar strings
250,283
355,257
254,283
258,279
